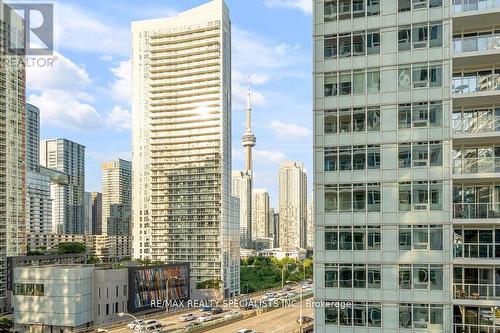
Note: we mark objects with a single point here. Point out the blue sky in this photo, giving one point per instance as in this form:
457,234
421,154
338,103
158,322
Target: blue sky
85,96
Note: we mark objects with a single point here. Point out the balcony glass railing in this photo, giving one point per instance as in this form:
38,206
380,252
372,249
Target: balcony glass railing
460,6
476,81
476,210
476,43
476,291
476,165
479,122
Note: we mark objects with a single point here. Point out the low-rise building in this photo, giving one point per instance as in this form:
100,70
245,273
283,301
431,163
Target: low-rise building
296,253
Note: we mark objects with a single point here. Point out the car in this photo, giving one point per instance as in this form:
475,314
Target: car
206,308
135,323
291,294
193,325
246,304
205,318
270,294
187,317
304,320
231,315
246,330
150,326
217,310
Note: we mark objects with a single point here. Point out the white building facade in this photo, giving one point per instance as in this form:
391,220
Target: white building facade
293,205
242,189
406,109
260,213
181,107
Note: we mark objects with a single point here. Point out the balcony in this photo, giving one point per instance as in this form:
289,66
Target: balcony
469,123
462,6
480,43
470,88
476,165
476,210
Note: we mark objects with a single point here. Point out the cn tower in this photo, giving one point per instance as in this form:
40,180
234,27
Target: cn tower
248,140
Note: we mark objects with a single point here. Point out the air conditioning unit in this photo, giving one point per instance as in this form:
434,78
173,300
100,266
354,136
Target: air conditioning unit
420,163
420,84
420,123
420,207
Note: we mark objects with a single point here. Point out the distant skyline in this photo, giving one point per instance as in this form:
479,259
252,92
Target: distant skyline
85,97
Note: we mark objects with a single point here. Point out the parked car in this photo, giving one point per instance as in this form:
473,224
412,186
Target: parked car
205,318
135,323
206,308
187,317
304,320
217,310
231,315
245,330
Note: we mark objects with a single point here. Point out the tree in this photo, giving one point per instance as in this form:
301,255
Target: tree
71,247
209,284
93,260
6,324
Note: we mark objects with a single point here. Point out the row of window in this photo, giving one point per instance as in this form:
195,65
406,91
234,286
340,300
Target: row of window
359,314
352,197
29,289
474,243
360,238
421,316
353,276
420,154
352,44
352,158
420,35
352,82
421,195
428,277
368,80
352,120
420,114
346,9
352,238
421,237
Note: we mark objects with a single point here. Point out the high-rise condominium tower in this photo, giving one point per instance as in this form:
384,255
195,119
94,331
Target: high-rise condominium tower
116,197
96,213
242,189
67,199
182,143
12,143
293,205
260,213
406,181
38,202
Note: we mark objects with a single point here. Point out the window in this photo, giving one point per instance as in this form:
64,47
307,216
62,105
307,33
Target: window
373,42
352,82
421,75
360,314
421,316
353,276
353,238
436,34
331,276
330,46
404,38
352,120
330,11
415,195
421,237
29,289
406,5
476,243
352,197
352,157
420,154
420,114
428,277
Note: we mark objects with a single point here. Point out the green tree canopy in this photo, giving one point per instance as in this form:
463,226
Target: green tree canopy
71,247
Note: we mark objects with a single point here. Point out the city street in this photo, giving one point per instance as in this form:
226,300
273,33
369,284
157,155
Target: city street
282,320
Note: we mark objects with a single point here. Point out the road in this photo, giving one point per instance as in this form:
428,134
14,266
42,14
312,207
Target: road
282,320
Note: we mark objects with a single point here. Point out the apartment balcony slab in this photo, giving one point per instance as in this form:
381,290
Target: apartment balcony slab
467,20
476,98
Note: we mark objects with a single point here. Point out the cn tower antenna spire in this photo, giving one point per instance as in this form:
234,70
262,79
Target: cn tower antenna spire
249,139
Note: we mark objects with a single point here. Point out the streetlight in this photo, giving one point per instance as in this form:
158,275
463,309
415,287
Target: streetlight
168,280
300,305
121,314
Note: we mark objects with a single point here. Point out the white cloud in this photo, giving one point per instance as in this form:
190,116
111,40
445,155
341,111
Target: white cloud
64,74
269,156
304,5
81,30
66,109
289,130
121,88
119,119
